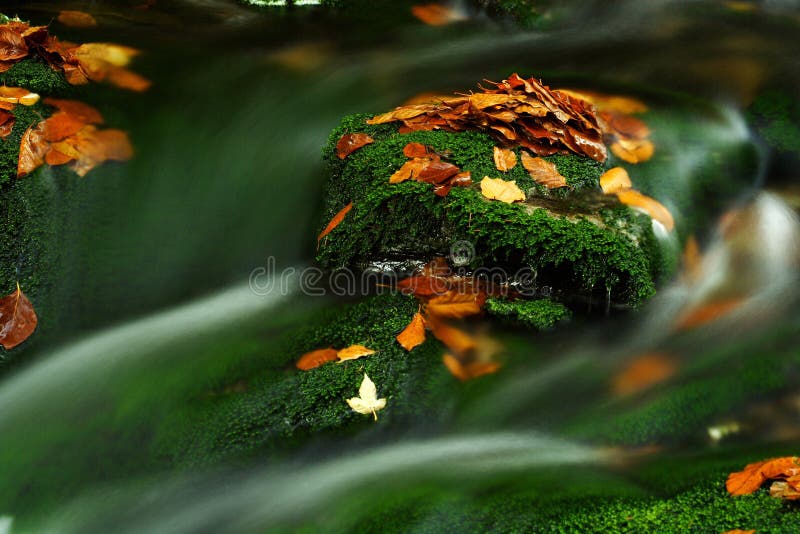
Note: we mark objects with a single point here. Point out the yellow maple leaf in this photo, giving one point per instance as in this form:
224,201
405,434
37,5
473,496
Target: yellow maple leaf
502,190
367,401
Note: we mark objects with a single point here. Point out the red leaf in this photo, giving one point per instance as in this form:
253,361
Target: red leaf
351,142
17,319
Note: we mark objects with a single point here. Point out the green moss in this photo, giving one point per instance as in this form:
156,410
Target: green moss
776,115
37,76
281,405
583,242
535,314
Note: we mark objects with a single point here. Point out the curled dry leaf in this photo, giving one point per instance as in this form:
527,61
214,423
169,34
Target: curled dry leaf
338,218
615,180
437,14
543,172
656,210
502,190
504,159
76,19
17,319
353,352
7,121
367,401
788,490
413,335
12,45
315,358
470,370
643,372
11,96
32,150
349,143
755,474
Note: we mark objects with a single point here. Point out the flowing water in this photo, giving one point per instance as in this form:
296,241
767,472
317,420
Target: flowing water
228,173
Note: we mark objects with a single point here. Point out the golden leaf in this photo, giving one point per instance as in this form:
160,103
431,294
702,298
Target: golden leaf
656,210
353,352
413,335
614,180
504,159
502,190
633,150
315,358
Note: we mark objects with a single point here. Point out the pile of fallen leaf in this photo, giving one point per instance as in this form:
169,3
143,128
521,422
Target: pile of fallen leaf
70,136
784,472
80,64
516,112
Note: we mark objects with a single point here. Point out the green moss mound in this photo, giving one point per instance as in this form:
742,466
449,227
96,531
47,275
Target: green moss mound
578,240
37,76
537,314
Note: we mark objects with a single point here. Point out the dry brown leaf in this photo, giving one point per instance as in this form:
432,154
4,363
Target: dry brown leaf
413,335
17,319
502,190
468,371
338,218
456,304
351,142
504,159
543,172
32,150
785,490
76,19
643,372
633,150
7,121
755,474
656,210
614,180
315,358
353,352
12,44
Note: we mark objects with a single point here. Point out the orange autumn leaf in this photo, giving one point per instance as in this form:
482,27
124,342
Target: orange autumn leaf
436,14
61,125
315,358
349,143
338,218
543,172
76,19
656,210
456,304
502,190
10,96
353,352
633,150
12,44
32,150
642,373
416,150
468,371
17,319
614,180
104,62
707,313
80,110
755,474
504,159
739,531
7,121
453,338
412,335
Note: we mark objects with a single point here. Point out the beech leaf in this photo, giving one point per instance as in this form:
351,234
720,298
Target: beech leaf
504,159
315,358
614,180
351,142
353,352
468,371
633,150
543,172
656,210
413,335
17,319
755,474
338,218
367,401
502,190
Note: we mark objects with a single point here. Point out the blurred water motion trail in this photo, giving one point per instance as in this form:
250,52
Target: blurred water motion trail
228,172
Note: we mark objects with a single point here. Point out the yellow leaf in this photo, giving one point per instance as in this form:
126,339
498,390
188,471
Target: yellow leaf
614,180
367,401
656,210
633,150
353,352
543,172
499,189
504,159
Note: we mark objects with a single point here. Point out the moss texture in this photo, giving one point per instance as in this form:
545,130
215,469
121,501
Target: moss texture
581,242
37,76
533,314
776,116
